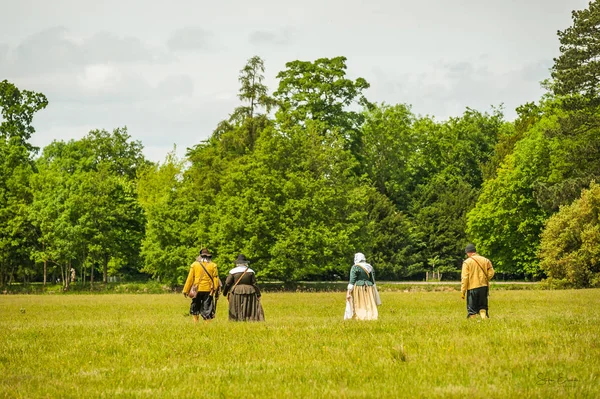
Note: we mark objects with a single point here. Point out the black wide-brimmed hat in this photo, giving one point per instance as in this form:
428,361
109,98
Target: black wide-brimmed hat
204,252
241,258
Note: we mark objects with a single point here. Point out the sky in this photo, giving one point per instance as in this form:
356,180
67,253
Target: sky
168,70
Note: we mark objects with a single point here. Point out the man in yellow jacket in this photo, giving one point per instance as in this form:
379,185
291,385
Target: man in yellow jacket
205,277
475,277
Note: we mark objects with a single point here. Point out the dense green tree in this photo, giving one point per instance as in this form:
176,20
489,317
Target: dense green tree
570,242
86,206
577,70
507,221
292,206
320,91
16,167
170,241
390,143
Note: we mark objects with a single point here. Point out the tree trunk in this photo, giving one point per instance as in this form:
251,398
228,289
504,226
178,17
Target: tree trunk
105,277
91,276
11,276
45,264
63,272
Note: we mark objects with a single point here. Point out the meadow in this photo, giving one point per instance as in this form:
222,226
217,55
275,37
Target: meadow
537,343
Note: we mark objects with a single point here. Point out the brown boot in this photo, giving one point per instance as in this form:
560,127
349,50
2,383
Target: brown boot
196,318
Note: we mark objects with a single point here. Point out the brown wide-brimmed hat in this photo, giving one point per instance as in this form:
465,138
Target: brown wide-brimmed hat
241,258
204,252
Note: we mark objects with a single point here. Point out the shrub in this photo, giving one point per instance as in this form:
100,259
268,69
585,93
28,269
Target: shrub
570,242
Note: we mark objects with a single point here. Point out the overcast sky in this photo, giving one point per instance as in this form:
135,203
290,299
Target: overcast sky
168,69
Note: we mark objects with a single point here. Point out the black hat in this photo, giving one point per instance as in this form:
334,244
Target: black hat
204,252
470,248
241,258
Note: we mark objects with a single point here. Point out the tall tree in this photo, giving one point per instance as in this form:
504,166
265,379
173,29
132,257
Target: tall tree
577,70
97,219
292,206
16,166
170,241
390,142
253,92
239,133
320,91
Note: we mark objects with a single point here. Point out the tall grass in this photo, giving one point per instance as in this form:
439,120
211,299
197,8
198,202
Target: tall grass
537,344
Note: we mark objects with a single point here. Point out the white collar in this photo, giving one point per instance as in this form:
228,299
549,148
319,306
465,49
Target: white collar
240,269
366,266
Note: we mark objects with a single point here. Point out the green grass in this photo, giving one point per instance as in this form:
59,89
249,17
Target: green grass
537,344
153,287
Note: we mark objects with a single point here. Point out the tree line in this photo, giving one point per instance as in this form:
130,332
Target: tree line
302,178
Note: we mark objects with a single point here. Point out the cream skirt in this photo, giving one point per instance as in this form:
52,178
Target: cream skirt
362,306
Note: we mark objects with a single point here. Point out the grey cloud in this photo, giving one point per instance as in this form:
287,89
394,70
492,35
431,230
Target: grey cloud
156,123
105,46
448,89
47,51
537,71
53,50
190,39
279,37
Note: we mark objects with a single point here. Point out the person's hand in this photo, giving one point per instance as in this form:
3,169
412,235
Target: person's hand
462,295
185,294
348,296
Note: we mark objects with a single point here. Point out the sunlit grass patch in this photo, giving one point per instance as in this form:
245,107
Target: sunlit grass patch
536,344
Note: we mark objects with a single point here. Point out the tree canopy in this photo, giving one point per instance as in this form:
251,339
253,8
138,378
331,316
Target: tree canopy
302,178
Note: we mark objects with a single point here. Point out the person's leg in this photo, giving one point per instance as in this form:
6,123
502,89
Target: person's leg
472,310
194,310
483,302
207,306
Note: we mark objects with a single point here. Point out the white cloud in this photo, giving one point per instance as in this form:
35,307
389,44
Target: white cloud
101,78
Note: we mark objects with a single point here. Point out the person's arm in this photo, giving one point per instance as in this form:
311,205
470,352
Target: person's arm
253,282
190,280
490,270
353,276
228,284
215,277
464,279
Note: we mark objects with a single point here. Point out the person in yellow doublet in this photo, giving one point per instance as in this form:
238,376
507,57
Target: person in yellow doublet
204,278
477,271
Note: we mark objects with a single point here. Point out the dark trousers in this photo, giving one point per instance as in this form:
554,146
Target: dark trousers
203,305
477,299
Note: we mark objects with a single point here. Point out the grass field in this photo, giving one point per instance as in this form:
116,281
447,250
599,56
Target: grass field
537,344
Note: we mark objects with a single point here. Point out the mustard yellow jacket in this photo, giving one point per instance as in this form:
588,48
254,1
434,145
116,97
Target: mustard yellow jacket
198,276
474,275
